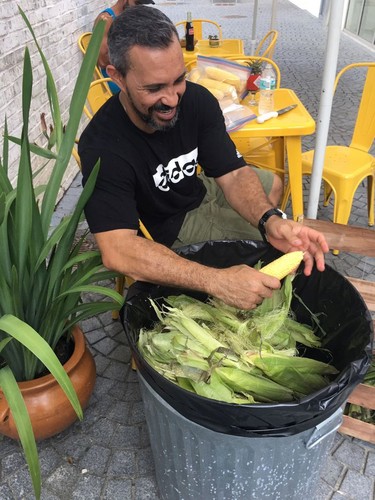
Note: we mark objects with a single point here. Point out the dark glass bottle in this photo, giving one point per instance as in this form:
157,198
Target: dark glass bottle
189,33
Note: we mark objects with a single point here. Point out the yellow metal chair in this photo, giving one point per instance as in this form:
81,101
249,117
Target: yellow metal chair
97,95
83,43
345,167
198,25
266,46
263,152
84,40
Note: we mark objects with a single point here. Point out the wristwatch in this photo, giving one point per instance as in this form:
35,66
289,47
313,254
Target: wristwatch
264,219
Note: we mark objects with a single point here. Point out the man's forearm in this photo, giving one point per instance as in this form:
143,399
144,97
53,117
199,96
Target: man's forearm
244,192
145,260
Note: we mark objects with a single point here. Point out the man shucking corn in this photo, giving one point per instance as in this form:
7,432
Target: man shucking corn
150,139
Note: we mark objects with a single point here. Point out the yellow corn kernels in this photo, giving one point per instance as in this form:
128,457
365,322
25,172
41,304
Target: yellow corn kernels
284,265
216,92
214,84
223,76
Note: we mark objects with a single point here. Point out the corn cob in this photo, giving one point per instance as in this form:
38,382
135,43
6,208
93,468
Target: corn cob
215,92
194,75
228,90
223,76
284,265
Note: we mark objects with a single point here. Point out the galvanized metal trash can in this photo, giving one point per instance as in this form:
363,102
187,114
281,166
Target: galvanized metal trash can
211,450
194,462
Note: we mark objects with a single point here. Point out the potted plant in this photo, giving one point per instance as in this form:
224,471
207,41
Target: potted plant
44,270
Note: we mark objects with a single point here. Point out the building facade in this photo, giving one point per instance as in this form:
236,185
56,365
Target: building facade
358,17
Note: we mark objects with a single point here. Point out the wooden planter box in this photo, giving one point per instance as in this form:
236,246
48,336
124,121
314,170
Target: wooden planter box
360,241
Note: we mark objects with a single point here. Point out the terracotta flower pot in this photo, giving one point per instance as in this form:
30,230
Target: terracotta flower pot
49,408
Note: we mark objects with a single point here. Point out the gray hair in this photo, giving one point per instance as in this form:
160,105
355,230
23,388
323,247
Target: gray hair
138,25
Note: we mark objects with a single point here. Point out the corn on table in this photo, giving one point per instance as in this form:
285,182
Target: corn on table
291,127
227,46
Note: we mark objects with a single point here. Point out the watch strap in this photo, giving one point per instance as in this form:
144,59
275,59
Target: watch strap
264,219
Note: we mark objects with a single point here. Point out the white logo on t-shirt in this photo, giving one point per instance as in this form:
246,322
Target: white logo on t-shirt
176,170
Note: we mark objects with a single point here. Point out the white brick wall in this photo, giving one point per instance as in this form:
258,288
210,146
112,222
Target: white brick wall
57,25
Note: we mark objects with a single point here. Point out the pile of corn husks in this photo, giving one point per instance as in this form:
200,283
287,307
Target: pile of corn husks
232,355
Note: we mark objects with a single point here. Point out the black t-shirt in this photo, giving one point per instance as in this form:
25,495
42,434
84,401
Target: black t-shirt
152,177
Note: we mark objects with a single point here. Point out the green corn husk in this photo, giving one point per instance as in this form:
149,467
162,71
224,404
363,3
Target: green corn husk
233,355
261,388
218,390
303,375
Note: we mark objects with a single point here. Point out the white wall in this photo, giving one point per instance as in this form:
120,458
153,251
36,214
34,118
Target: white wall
57,25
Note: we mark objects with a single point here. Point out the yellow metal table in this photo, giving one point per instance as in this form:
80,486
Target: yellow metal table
227,46
291,127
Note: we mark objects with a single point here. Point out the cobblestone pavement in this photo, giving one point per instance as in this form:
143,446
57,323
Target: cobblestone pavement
107,456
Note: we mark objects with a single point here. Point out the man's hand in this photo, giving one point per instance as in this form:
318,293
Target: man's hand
288,236
242,286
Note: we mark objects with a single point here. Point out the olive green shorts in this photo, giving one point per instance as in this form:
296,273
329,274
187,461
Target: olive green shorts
215,219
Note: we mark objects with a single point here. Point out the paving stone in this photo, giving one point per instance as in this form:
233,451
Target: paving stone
49,459
113,329
146,488
104,406
351,455
119,389
117,488
73,447
145,461
105,346
20,483
359,486
333,471
95,335
126,436
133,392
370,465
88,487
6,492
122,463
137,413
323,492
122,353
7,447
48,495
11,463
95,460
120,412
90,324
63,480
115,371
101,363
102,431
103,386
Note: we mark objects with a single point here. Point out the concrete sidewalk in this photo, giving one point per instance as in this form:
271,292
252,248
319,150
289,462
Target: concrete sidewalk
108,456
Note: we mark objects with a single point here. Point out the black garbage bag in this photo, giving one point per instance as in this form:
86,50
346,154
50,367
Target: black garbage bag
343,316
